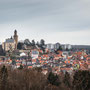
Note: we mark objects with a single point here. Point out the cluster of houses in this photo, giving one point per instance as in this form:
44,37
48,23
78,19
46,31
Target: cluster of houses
50,61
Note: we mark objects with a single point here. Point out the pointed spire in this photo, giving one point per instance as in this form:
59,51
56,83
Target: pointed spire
15,32
11,37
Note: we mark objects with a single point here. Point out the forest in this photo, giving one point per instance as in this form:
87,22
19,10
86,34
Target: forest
34,79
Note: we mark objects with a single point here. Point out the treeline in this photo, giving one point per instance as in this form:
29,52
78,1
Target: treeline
27,42
33,79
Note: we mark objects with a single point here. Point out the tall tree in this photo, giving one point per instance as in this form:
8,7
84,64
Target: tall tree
67,80
42,42
2,52
3,78
37,44
33,42
81,80
27,42
19,46
53,79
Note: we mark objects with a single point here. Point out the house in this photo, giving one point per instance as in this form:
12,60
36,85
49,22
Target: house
34,54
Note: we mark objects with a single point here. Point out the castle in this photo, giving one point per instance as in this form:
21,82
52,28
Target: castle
11,43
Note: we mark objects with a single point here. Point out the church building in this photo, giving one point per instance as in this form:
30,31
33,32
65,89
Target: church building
11,43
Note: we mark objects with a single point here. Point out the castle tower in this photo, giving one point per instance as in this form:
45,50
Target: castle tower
16,38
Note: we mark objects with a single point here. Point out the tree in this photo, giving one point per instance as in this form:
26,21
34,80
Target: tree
10,51
53,79
19,46
42,42
2,52
81,80
60,48
27,42
85,65
67,49
21,67
13,62
3,78
33,43
67,80
38,69
38,44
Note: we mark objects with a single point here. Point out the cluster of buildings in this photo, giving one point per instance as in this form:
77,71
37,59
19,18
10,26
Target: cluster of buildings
11,43
59,62
53,47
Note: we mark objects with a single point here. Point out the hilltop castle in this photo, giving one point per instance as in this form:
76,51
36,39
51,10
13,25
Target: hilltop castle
11,43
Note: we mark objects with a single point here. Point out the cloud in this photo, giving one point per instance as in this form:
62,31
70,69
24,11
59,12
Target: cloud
45,16
76,37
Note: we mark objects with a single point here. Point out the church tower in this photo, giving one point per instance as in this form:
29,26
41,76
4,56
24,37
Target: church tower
16,38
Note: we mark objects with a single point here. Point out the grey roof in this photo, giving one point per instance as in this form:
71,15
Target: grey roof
9,40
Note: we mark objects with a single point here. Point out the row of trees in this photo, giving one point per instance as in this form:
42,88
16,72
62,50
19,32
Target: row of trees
40,44
33,79
32,43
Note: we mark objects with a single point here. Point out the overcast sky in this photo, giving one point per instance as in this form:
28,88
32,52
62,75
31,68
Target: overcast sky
64,21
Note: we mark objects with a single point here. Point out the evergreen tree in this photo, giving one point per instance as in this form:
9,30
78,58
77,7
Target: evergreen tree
19,46
67,80
27,42
38,44
81,80
67,49
60,48
42,42
33,43
21,67
3,78
53,79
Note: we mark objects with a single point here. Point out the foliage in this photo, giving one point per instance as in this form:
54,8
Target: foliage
42,42
53,79
2,52
21,67
60,48
67,49
27,42
33,43
81,80
20,45
13,62
3,78
67,80
33,79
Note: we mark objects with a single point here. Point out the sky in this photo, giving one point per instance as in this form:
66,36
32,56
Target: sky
63,21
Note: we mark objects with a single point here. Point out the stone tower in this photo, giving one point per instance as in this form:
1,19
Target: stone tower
16,38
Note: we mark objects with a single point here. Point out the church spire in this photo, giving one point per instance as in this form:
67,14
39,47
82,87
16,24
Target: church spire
15,32
16,37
